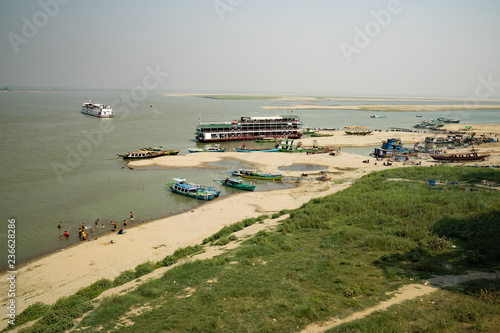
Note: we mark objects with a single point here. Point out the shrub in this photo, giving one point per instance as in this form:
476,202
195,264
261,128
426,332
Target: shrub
32,312
124,277
169,261
144,268
95,289
187,251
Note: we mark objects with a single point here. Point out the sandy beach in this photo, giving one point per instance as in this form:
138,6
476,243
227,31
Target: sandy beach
62,273
386,107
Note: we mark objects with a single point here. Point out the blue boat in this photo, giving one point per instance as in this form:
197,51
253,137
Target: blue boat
193,190
391,147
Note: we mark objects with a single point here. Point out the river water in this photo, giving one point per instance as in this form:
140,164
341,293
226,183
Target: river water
59,165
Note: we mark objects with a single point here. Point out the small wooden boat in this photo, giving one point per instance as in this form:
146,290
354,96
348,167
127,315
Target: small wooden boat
255,174
324,178
460,157
214,149
245,149
439,141
378,116
270,139
193,190
142,154
238,184
358,132
166,152
318,135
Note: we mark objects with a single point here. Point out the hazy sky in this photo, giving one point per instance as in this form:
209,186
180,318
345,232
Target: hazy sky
335,47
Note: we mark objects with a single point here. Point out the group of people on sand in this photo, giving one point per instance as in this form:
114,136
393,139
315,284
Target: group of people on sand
84,235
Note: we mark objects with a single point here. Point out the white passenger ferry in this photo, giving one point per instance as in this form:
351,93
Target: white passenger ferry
250,128
97,110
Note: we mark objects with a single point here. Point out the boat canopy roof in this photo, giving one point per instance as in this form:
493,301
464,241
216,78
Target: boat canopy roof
180,180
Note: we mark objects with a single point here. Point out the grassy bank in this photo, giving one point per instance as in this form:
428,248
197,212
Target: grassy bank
332,257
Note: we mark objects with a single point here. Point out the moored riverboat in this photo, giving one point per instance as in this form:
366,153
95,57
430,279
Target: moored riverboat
237,184
256,174
193,190
460,157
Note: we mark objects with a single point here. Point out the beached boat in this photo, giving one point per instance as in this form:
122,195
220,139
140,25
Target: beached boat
391,147
214,149
142,154
193,190
97,110
449,121
358,132
270,139
308,131
439,141
318,135
238,184
245,149
250,128
166,152
255,174
460,157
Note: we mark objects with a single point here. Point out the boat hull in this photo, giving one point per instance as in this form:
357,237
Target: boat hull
460,157
244,187
256,150
258,176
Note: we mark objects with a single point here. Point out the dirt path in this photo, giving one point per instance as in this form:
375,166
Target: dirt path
404,293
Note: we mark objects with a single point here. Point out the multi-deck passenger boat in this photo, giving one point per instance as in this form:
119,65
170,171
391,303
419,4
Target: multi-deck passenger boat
97,110
250,128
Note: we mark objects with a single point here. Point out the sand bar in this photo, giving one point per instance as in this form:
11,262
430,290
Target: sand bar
387,107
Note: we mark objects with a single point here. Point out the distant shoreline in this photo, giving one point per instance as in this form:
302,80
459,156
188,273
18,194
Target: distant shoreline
385,108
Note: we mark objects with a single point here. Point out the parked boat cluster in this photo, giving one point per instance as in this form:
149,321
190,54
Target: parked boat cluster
393,149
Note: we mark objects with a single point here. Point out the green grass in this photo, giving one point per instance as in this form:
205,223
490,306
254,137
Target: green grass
470,307
331,257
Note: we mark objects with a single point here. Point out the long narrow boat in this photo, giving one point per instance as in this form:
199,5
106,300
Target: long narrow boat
358,132
238,184
255,174
460,157
214,149
251,150
193,190
142,154
165,151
